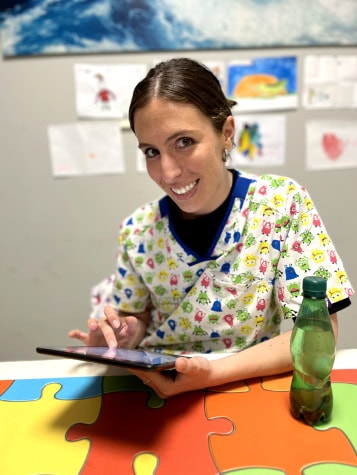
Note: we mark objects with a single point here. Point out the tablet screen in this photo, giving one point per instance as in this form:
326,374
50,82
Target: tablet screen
139,358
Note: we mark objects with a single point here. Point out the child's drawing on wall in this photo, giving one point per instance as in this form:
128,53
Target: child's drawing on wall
331,144
266,83
105,95
103,91
259,141
249,141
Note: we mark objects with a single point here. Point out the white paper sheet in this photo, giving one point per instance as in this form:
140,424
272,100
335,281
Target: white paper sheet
140,162
260,141
218,68
330,82
104,91
331,144
91,148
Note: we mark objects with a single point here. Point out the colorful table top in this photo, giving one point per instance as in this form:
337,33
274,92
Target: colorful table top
65,418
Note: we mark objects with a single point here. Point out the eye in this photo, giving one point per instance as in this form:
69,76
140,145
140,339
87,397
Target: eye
151,153
184,142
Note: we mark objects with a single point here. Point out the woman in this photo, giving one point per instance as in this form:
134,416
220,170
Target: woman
218,262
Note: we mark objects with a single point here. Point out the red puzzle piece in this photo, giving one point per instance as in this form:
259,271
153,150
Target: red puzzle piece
177,433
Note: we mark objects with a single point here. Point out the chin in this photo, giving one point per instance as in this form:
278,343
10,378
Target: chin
189,210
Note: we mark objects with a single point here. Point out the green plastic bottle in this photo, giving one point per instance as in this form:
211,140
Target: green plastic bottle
313,349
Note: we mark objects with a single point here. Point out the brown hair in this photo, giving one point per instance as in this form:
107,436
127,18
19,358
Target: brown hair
183,80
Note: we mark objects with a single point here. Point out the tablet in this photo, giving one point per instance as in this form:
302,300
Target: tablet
127,358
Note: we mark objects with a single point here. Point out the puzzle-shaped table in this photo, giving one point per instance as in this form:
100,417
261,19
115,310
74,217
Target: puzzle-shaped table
93,425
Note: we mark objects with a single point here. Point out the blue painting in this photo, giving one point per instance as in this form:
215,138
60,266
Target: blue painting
35,27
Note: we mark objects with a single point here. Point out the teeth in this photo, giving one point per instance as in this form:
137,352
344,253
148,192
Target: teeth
181,191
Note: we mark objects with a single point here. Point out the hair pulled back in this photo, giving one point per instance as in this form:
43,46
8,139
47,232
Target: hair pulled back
187,81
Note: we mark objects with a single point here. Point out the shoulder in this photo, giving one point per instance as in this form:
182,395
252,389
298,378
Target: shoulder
275,190
142,218
273,182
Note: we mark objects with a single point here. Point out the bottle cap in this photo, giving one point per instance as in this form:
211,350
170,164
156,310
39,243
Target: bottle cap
314,287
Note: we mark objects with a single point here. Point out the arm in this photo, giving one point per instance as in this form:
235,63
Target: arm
267,358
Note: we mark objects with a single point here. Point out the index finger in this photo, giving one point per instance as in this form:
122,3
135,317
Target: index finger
112,316
108,332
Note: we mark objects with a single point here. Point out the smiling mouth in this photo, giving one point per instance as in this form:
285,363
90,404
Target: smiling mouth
184,189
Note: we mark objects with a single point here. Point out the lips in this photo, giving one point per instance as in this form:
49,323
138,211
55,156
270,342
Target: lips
184,189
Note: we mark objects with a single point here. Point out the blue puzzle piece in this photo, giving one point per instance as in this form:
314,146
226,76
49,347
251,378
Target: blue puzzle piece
71,388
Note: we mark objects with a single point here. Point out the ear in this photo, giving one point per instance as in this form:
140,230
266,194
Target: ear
228,132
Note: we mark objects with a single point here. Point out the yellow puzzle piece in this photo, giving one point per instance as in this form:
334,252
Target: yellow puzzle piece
33,434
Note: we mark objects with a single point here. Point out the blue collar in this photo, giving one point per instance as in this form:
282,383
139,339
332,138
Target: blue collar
239,190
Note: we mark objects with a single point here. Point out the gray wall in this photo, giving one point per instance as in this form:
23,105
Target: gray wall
58,237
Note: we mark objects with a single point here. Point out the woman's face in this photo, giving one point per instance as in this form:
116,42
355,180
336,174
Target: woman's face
183,154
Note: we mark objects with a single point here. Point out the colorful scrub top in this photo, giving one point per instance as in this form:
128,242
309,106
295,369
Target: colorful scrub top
270,239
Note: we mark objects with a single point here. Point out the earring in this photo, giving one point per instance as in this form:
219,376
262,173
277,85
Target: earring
225,155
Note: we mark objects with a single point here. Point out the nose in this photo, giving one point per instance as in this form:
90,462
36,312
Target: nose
170,167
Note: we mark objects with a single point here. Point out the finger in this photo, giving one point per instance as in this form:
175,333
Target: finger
112,316
92,324
143,375
78,335
192,366
140,374
107,332
74,334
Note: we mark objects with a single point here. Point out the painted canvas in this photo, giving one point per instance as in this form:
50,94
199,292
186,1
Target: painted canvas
36,27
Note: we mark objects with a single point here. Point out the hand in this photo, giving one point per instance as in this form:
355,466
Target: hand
191,374
112,330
